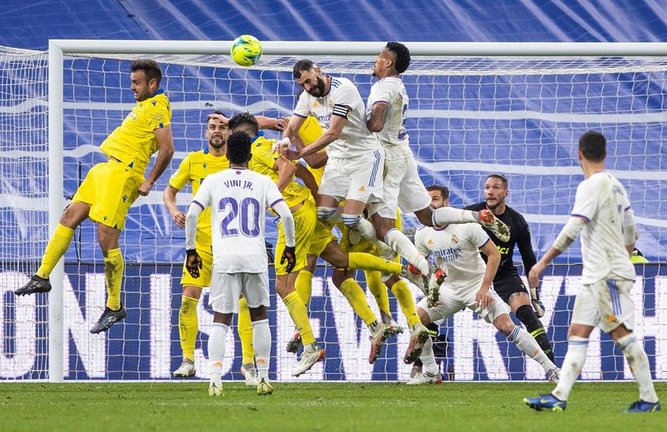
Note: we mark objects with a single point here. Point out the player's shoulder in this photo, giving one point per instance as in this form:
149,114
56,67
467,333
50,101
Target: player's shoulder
342,84
514,213
195,156
159,99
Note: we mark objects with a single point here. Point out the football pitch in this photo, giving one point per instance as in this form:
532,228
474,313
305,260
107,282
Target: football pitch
318,407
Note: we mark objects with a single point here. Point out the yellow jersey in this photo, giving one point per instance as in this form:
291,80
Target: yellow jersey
309,132
194,169
134,142
262,161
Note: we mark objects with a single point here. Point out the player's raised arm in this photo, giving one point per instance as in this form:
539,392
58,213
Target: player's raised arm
376,116
493,261
286,171
176,183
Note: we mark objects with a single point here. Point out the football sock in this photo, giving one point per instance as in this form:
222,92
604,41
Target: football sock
55,249
304,285
188,326
299,314
636,356
262,342
526,315
529,346
572,365
245,330
366,261
357,299
379,290
449,215
428,358
403,295
113,272
216,350
404,247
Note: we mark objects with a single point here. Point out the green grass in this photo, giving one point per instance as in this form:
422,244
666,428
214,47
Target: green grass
317,407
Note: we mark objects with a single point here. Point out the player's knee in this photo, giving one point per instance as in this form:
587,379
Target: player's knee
504,324
527,316
424,317
351,221
338,277
425,216
325,213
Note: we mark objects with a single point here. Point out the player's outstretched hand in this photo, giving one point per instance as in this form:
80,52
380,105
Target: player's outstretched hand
144,188
535,272
282,144
179,218
193,262
538,306
289,255
276,124
222,118
483,299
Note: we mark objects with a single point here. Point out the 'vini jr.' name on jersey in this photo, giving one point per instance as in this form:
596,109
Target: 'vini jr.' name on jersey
236,183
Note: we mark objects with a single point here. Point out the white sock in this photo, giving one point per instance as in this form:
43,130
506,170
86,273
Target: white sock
572,365
428,358
528,345
216,350
366,230
404,247
261,340
449,215
636,357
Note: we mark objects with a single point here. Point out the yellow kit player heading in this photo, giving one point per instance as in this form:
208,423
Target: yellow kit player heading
110,188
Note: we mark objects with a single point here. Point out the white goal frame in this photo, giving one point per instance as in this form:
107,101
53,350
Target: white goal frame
59,48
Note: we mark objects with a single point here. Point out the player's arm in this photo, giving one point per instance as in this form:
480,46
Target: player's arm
338,122
292,130
271,123
308,179
529,260
169,198
378,112
492,262
315,160
630,233
286,170
193,261
279,206
165,142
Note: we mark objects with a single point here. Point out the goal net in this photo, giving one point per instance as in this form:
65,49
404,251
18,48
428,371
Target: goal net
469,116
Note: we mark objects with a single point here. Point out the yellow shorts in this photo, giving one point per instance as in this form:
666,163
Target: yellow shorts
110,189
321,237
305,219
204,278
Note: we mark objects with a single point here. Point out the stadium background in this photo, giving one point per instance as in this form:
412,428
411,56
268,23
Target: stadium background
31,25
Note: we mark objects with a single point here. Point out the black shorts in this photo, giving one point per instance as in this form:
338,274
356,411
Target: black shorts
508,286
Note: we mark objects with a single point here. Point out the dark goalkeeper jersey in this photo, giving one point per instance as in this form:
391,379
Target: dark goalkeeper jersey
519,235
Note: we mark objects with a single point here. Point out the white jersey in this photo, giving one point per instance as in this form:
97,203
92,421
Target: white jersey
342,100
602,200
390,90
456,250
238,199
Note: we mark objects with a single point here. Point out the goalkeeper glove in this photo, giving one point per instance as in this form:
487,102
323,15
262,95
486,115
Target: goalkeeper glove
437,278
193,262
537,303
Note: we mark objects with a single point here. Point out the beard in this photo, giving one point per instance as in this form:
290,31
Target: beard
318,91
216,141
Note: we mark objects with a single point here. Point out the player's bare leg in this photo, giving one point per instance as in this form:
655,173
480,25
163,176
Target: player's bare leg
521,306
443,216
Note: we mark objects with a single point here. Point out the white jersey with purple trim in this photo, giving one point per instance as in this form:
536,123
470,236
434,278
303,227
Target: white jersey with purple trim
603,202
342,100
390,90
238,199
456,250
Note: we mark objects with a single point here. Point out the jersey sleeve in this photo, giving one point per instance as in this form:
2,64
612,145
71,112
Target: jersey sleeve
203,196
585,202
159,114
420,241
476,235
525,246
380,93
302,105
272,193
180,178
347,98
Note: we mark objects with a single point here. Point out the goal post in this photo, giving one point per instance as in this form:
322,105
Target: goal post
457,91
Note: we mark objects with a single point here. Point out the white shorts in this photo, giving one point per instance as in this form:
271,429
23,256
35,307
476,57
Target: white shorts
605,304
227,288
357,179
402,187
454,301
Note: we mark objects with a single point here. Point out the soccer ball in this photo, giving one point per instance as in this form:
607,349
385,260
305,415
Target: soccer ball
246,50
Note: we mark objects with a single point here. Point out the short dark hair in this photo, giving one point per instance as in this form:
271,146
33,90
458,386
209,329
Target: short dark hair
238,148
208,119
593,146
150,67
242,118
444,190
402,54
302,66
500,177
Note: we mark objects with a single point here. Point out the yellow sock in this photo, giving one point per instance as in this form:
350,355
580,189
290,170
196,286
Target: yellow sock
355,296
366,261
405,301
188,326
297,310
56,248
113,271
245,333
379,290
304,285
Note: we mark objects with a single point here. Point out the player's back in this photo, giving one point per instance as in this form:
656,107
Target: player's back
603,201
239,199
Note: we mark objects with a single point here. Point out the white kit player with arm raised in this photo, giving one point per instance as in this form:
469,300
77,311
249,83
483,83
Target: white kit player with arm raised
239,199
603,216
468,285
355,166
386,115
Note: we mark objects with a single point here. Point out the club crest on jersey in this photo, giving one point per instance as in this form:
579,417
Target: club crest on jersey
455,239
